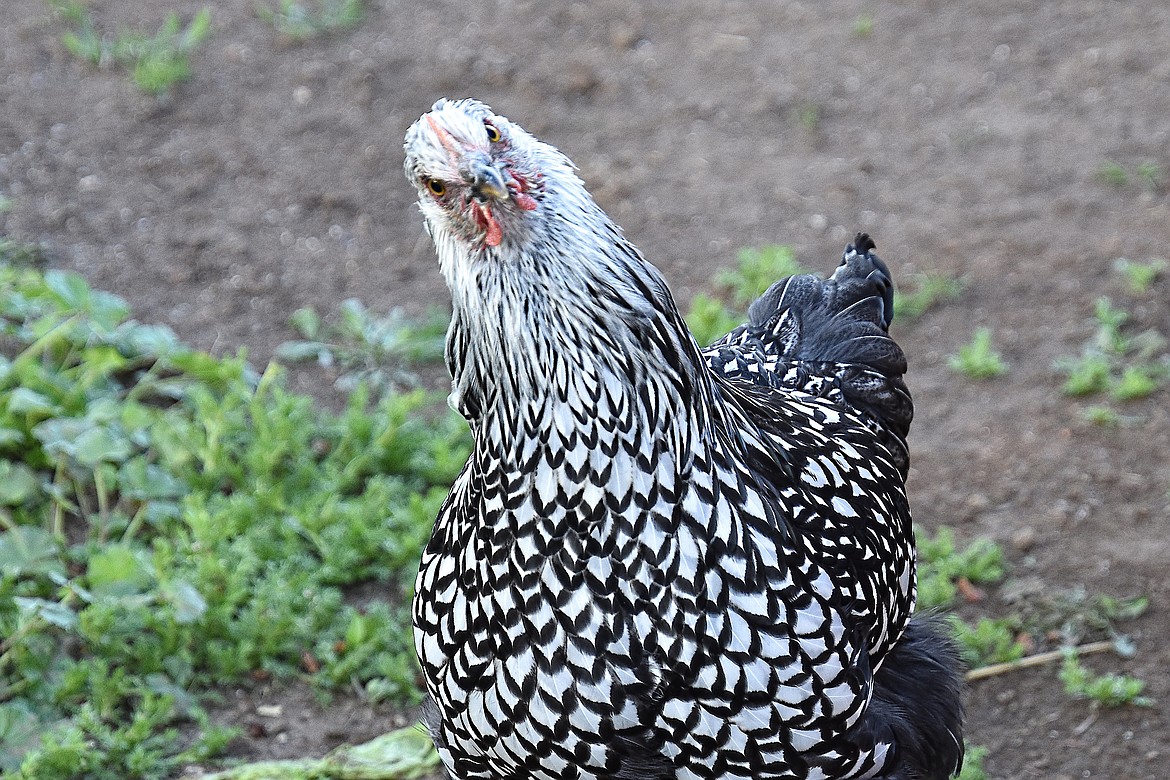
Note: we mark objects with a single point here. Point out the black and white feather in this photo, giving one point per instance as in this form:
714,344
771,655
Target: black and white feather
661,561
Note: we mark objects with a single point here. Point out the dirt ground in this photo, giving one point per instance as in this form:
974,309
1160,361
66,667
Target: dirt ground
969,138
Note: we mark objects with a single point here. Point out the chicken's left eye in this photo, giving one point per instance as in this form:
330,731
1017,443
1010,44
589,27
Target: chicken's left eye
493,132
436,187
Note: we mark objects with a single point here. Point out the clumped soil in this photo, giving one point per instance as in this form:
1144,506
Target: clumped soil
968,138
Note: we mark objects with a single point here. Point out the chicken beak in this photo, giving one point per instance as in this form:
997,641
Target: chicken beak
485,180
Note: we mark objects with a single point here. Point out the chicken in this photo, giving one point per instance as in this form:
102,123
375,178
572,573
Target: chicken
660,561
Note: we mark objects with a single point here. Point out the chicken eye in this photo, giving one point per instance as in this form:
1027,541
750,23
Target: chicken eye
436,187
493,132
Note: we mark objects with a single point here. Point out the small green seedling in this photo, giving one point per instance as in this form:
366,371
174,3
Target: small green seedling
159,62
989,641
930,290
978,359
1136,382
1113,174
1085,375
863,25
1139,277
941,565
757,269
709,318
1151,174
973,764
298,22
1110,690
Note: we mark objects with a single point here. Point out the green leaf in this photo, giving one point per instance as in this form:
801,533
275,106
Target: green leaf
100,444
188,602
18,483
69,288
301,351
52,612
144,481
22,400
152,340
29,550
107,310
58,436
117,571
20,732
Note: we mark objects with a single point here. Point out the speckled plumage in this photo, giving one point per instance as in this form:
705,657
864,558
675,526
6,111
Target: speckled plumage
661,561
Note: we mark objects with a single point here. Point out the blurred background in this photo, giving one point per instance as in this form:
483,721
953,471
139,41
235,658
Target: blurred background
1016,153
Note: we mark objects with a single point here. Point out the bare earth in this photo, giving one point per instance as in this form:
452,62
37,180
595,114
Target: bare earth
967,137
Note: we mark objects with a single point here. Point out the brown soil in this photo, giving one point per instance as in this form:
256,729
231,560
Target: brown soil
967,137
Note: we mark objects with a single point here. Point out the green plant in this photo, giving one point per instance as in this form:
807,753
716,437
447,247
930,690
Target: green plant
1113,174
978,359
988,641
1136,382
189,523
973,764
929,290
709,318
1126,366
299,22
757,269
808,116
941,565
1104,416
159,62
1110,690
863,25
1087,374
1139,277
367,348
1151,174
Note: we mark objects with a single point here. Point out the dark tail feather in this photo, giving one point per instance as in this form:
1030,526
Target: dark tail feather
917,704
837,329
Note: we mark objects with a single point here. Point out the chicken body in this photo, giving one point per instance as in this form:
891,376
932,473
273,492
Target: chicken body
661,562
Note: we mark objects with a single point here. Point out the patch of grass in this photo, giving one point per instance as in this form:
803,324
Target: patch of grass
170,522
158,62
299,22
978,359
929,291
1110,690
1139,277
1101,415
368,348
